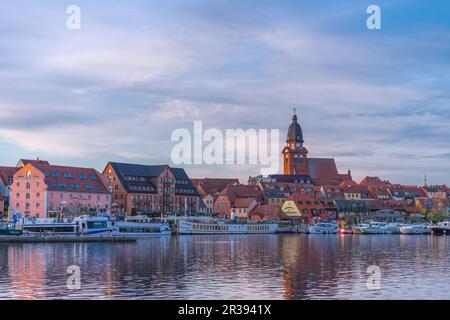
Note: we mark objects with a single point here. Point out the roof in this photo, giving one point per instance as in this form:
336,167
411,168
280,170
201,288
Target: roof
212,186
266,211
23,162
356,189
243,202
75,179
374,182
323,171
123,170
295,131
234,192
7,173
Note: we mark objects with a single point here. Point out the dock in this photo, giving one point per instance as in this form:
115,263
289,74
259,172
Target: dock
65,238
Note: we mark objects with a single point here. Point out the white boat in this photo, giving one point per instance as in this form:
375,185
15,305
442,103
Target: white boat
358,227
418,228
374,228
324,228
142,229
83,225
395,228
223,227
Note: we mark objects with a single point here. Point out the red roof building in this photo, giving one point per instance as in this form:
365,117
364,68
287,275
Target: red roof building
226,200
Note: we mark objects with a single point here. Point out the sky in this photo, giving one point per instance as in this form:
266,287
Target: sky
377,101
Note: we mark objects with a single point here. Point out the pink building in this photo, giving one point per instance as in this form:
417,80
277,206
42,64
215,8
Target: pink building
41,190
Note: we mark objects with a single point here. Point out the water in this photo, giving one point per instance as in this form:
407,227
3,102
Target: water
232,267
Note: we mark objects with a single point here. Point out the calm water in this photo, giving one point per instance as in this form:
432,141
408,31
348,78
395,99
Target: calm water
232,267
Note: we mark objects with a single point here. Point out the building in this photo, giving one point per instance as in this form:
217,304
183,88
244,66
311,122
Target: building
6,180
356,192
210,188
228,198
303,207
243,207
296,163
151,189
269,212
43,190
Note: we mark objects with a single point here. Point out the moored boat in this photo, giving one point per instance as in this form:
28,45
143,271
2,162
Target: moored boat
223,227
374,228
442,228
142,229
324,228
418,228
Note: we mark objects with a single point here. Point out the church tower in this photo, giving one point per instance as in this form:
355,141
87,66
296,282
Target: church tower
294,153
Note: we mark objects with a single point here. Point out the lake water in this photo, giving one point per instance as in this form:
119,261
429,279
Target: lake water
232,267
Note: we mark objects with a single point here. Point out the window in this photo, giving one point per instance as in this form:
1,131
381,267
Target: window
82,177
28,185
89,187
51,184
62,185
75,186
55,175
93,178
27,196
38,195
68,175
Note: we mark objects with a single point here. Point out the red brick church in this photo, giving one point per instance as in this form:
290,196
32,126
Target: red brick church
299,167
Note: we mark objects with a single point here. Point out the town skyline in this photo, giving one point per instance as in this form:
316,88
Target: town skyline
375,100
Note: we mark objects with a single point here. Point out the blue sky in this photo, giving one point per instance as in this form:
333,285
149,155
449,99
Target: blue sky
376,100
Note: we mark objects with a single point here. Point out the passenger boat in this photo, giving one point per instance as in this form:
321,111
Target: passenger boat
442,228
83,225
324,228
142,229
223,227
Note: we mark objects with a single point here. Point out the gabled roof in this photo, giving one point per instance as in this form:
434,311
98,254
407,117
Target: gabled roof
74,179
213,186
266,211
23,162
374,182
234,192
243,202
148,172
7,173
323,171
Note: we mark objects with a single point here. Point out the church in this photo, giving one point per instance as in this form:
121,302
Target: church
299,168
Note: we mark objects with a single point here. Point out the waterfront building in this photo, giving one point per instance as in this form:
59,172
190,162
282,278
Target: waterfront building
6,179
226,200
41,190
210,188
151,189
269,212
243,207
303,207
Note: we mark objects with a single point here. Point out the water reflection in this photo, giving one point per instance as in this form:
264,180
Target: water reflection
231,267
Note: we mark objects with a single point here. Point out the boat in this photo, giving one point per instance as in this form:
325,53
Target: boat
346,231
395,228
80,226
323,228
374,228
418,228
442,228
9,230
358,227
142,229
223,227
